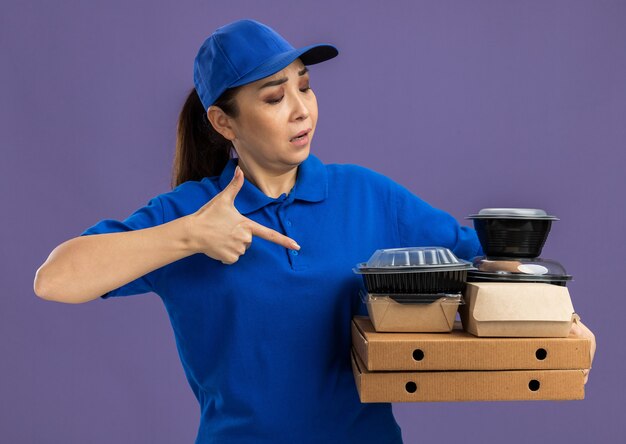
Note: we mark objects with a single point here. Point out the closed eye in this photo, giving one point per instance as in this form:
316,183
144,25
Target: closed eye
274,101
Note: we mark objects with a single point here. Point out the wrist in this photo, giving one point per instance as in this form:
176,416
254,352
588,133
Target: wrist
183,227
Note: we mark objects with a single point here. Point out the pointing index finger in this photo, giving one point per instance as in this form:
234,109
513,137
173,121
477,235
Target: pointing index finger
272,235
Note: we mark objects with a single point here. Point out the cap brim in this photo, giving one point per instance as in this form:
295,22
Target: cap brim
309,55
318,53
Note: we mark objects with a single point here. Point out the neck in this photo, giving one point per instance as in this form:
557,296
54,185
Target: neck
271,183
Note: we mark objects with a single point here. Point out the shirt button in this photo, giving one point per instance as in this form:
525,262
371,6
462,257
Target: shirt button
288,223
294,252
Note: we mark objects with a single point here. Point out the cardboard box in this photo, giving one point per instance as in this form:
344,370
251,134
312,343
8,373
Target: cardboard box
459,350
517,310
467,386
392,316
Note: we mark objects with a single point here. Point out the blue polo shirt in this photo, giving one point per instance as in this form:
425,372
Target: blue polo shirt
265,342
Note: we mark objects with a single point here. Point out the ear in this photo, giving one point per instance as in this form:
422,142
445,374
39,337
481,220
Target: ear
221,122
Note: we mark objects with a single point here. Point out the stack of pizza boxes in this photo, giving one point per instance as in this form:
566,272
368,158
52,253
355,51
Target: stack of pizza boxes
513,339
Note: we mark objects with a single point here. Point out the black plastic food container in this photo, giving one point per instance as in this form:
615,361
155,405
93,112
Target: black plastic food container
427,282
486,277
512,232
539,270
416,270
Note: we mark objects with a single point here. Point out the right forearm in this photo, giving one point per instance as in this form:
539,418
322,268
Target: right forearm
86,267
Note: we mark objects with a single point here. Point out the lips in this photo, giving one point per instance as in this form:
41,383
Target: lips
300,135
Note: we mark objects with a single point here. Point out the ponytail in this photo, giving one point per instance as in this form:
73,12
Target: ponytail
200,150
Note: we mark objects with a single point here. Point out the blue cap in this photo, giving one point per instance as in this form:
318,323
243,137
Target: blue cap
245,51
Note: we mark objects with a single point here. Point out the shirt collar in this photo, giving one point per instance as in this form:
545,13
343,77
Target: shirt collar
311,186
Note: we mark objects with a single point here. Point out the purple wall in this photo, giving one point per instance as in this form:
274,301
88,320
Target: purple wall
469,104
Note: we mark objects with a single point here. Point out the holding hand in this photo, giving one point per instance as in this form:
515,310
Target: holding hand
222,233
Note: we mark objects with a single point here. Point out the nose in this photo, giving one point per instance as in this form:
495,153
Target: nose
300,110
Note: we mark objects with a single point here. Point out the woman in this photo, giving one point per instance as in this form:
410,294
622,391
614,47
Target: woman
252,256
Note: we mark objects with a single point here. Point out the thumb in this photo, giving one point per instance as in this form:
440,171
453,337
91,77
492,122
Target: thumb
231,190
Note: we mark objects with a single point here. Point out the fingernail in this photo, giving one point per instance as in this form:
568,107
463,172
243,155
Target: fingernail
295,246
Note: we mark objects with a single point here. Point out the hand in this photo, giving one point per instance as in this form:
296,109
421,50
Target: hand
222,233
579,329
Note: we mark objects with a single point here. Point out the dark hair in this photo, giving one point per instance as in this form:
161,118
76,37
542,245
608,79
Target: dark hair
200,150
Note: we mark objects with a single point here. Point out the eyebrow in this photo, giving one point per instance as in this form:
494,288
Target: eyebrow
276,82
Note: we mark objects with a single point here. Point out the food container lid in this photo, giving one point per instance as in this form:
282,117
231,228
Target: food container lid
519,269
512,213
412,259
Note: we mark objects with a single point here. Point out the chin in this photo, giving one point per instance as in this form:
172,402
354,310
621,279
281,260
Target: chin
296,158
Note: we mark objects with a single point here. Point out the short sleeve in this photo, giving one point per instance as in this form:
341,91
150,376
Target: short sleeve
420,224
148,216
